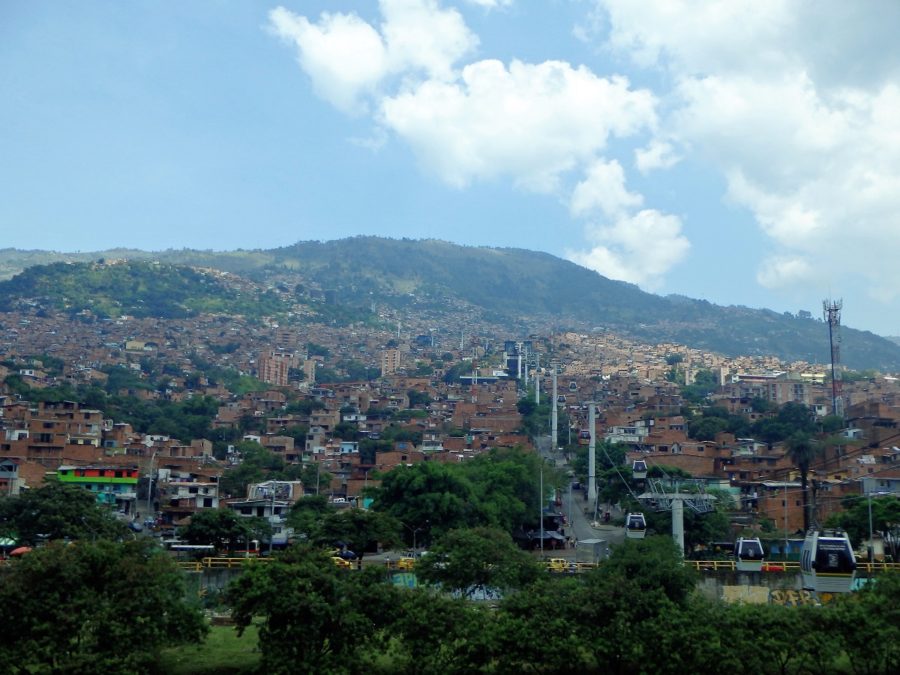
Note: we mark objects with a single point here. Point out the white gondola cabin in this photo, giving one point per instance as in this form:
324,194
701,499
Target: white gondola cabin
635,526
748,555
827,562
639,469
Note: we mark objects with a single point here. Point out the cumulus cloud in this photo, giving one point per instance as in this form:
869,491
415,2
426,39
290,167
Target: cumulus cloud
347,58
544,126
491,4
796,107
342,54
784,271
421,36
657,155
603,188
532,122
639,249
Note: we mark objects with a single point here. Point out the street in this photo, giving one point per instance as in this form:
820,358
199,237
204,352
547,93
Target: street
573,506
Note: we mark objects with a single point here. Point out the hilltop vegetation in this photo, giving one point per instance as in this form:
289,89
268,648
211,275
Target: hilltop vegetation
136,288
519,288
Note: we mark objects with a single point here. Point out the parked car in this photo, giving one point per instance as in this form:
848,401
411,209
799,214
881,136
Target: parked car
341,563
558,565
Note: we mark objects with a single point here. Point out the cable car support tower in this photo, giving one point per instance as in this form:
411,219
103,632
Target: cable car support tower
832,314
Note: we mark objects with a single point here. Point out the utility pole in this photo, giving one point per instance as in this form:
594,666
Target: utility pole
785,521
678,523
542,506
272,520
526,366
553,413
592,454
871,547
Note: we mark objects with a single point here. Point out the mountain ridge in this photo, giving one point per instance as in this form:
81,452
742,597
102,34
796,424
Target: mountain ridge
522,288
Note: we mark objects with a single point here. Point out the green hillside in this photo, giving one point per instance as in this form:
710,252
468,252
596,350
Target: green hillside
136,288
523,289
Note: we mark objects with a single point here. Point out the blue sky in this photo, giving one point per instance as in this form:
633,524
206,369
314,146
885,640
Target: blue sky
742,152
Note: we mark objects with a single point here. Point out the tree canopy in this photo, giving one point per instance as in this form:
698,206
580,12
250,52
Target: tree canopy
93,607
57,511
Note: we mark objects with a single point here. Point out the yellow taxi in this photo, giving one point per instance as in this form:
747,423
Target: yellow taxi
340,562
558,565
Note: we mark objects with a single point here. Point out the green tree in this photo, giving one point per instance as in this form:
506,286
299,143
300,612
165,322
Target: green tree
57,511
706,428
468,561
93,607
535,631
257,464
440,634
312,616
359,529
312,477
705,382
802,449
224,529
770,431
430,496
306,514
855,516
867,625
797,417
640,583
418,398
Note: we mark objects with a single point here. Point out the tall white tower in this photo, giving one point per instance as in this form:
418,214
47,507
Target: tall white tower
592,454
526,367
554,415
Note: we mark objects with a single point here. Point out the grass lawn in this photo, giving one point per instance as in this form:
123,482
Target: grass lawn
223,653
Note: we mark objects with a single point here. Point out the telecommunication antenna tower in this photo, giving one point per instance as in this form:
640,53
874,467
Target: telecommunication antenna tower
832,314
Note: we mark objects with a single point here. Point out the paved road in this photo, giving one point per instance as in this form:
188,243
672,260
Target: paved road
580,524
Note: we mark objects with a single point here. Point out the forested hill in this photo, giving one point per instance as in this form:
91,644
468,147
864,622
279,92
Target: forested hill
137,288
525,288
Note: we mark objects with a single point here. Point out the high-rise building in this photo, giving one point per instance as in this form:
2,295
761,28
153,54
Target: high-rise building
274,367
390,361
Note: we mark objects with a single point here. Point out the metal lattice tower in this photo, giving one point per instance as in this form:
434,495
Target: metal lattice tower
832,315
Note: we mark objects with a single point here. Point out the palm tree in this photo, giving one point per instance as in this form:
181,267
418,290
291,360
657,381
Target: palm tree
802,449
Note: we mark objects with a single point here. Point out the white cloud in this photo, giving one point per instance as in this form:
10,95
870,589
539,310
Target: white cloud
420,36
491,4
347,59
545,126
779,272
342,54
639,249
603,188
657,155
796,107
530,122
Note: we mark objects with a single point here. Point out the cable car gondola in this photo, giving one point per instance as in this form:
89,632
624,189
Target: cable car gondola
827,562
635,526
748,554
639,469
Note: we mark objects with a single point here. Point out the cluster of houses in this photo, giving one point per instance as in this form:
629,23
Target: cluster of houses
447,421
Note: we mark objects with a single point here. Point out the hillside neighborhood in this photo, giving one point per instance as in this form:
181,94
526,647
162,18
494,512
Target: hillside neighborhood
351,403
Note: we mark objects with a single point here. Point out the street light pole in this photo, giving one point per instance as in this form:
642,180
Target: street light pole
272,520
150,485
